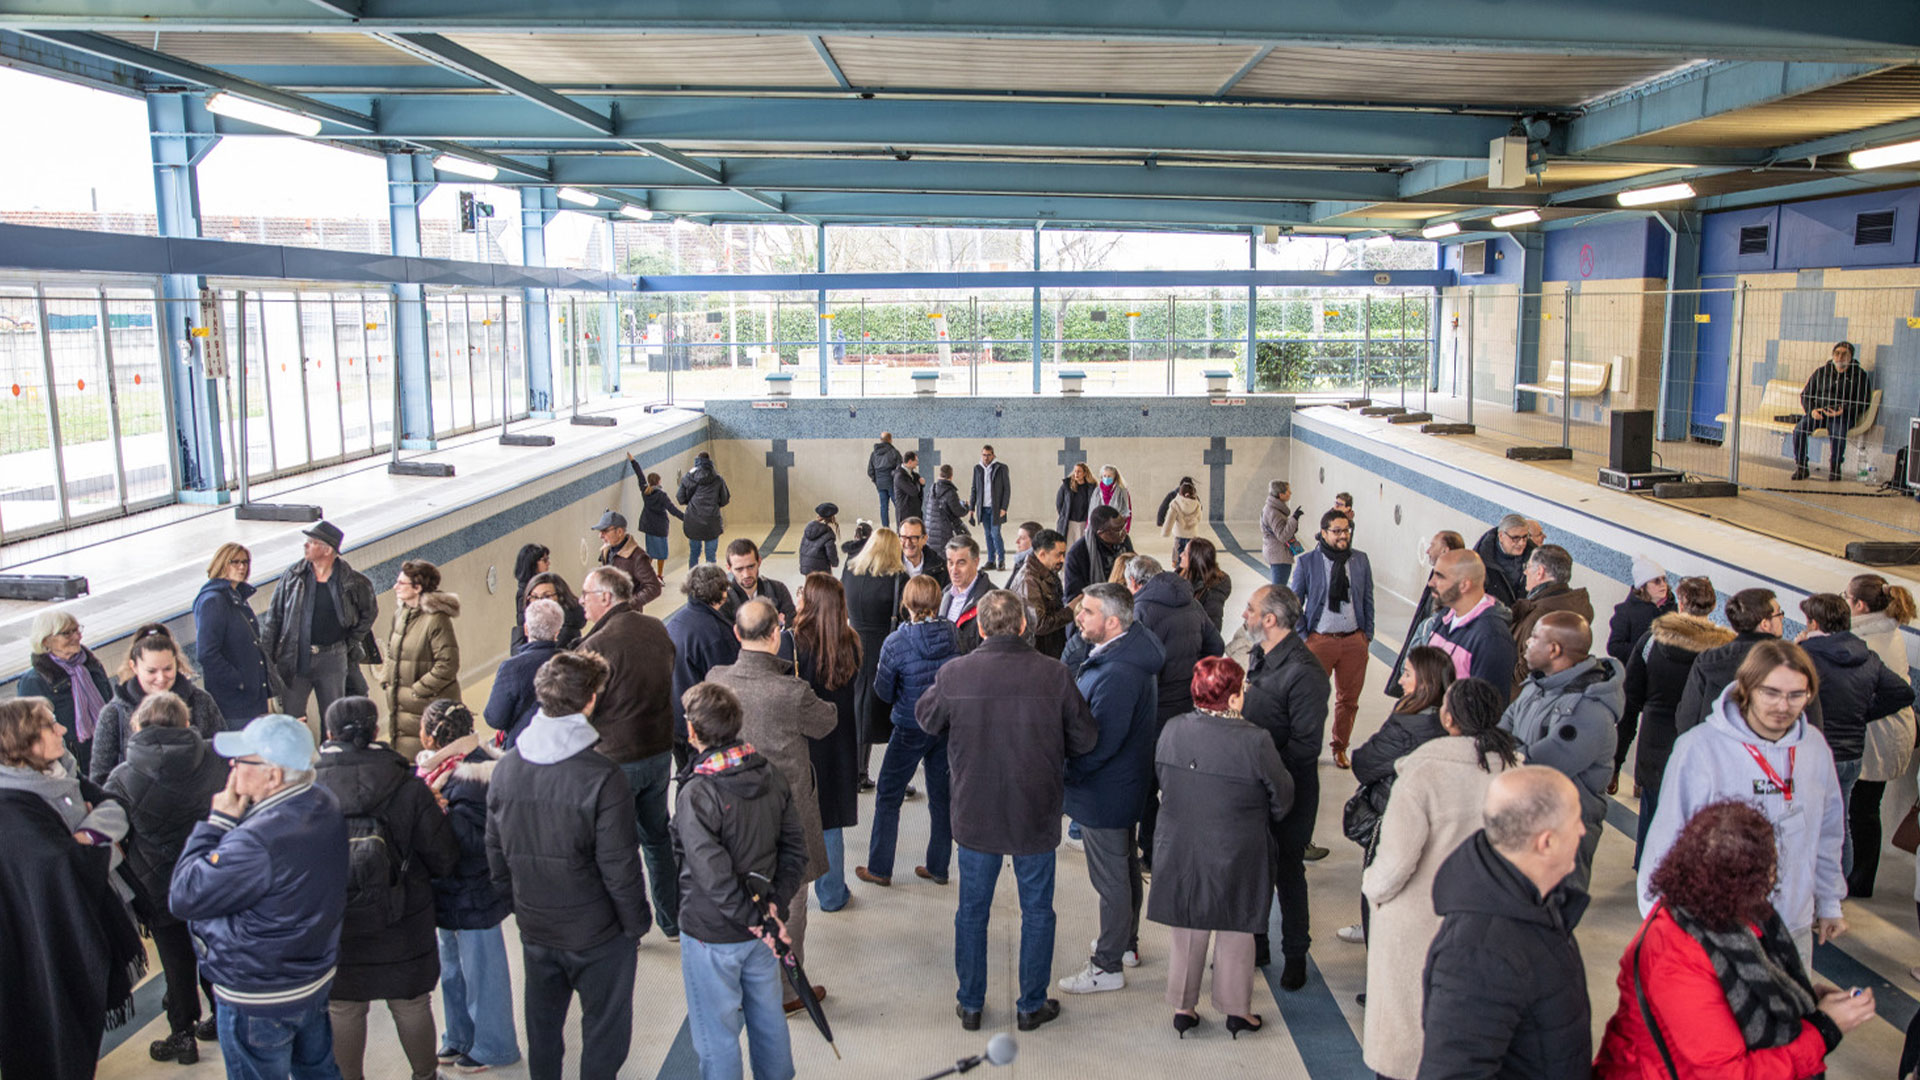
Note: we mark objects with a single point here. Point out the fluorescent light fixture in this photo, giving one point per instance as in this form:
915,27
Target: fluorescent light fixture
460,166
1882,156
239,108
1445,228
638,212
1518,217
1380,241
1663,193
578,197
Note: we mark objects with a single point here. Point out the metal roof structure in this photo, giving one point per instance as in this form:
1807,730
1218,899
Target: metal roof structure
1316,117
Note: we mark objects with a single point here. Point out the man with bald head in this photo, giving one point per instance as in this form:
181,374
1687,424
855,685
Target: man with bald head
1505,988
1566,714
1473,626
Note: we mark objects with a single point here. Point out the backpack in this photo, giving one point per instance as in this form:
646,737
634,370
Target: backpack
376,874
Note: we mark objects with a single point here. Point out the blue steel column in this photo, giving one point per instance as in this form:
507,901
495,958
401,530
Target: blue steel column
1678,351
1036,309
610,326
1533,249
182,136
409,182
820,312
1253,298
538,205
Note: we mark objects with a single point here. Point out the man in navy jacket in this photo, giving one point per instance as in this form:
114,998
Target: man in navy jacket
1335,586
263,883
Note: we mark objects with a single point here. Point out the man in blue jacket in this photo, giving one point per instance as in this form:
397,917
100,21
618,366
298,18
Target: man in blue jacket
1335,586
1107,786
263,883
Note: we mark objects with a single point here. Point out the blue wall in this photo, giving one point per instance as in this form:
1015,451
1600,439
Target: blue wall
1611,251
1817,234
1508,269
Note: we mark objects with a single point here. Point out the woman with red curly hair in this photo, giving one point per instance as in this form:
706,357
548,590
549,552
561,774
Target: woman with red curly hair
1221,783
1713,986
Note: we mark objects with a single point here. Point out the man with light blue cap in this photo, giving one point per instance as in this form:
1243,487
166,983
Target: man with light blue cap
263,883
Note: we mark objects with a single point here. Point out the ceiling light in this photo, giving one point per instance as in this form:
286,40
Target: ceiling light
460,166
1518,217
639,212
578,197
1663,193
1880,156
1445,228
1380,241
239,108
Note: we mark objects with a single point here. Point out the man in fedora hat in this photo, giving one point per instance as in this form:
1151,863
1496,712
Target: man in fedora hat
619,548
315,630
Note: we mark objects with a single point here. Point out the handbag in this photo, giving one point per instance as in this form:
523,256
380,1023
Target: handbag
1365,809
1906,835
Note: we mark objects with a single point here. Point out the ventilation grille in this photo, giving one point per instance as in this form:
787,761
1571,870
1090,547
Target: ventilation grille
1753,239
1473,257
1874,227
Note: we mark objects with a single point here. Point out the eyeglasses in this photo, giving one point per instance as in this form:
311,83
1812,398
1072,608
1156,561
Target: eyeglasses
595,592
255,764
1776,613
402,581
913,536
1515,537
548,595
1793,697
1331,531
239,562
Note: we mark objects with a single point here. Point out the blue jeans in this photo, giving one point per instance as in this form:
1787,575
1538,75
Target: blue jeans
830,888
979,873
258,1047
1279,572
1849,774
694,547
886,500
649,778
906,749
729,987
990,524
477,992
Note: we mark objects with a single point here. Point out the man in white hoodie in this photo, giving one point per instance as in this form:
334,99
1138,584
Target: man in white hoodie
1756,745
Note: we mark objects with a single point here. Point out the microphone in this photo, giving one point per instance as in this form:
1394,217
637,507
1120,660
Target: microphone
1001,1049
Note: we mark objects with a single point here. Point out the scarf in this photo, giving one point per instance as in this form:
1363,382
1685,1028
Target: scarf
1339,589
1766,987
86,696
1106,493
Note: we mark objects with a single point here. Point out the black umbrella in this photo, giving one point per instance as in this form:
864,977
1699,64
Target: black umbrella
757,884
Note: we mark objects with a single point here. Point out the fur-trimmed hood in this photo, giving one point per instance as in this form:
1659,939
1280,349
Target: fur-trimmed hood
1694,633
441,603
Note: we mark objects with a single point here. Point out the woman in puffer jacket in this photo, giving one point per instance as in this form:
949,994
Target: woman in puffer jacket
423,657
946,514
818,544
909,660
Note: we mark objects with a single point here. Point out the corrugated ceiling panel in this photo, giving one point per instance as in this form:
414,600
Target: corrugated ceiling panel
236,50
1058,65
1387,75
655,59
1863,103
1403,211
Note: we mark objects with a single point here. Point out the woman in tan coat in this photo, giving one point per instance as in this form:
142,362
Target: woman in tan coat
423,658
1183,517
1436,805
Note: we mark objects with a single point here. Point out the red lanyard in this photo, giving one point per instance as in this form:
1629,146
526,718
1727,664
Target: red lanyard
1785,786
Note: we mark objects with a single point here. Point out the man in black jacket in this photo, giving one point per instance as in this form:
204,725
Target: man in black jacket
1013,718
702,641
1505,988
1090,560
747,583
1505,549
740,845
914,553
880,466
959,604
1287,695
988,501
561,842
909,489
1856,688
317,647
1834,398
1755,616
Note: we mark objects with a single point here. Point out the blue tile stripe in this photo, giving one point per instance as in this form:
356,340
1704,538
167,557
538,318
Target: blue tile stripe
681,1062
1320,1031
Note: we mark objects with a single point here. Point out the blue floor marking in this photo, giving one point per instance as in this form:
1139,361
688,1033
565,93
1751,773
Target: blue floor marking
146,1006
1326,1042
681,1063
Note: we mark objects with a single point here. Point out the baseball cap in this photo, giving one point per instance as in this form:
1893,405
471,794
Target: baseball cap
277,739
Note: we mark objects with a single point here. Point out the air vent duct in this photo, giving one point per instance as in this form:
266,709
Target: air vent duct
1753,239
1873,227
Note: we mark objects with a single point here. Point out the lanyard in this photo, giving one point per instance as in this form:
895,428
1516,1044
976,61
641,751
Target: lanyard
1785,786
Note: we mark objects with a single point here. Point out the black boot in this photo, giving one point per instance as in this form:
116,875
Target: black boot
1294,975
1800,472
180,1047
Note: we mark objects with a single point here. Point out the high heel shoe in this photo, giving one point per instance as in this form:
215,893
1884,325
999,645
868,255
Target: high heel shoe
1238,1024
1184,1022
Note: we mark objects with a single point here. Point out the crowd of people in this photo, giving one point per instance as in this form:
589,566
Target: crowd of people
696,776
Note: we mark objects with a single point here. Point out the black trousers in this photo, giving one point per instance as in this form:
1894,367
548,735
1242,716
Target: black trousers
175,945
1290,874
603,977
1863,817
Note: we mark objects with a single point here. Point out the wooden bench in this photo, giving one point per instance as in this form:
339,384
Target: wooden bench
1590,378
1782,398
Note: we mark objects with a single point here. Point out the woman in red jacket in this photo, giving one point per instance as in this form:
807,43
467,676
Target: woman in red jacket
1712,940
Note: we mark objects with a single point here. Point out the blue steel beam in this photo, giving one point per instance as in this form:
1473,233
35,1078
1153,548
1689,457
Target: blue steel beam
60,62
882,206
826,57
1771,29
1845,183
1710,91
181,140
1041,279
409,182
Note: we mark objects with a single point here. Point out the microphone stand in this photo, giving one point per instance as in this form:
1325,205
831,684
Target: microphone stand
958,1067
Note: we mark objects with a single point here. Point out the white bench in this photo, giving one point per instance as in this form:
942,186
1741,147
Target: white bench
926,382
1589,379
779,384
1782,398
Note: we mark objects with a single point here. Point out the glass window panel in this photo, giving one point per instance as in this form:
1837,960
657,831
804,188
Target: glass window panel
29,496
87,449
140,393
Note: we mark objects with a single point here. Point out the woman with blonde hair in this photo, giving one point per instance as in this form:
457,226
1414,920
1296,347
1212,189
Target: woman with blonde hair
423,656
70,677
226,636
1073,501
1879,609
154,663
1112,491
873,581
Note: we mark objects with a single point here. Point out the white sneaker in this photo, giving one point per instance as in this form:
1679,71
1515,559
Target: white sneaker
1130,958
1352,935
1092,980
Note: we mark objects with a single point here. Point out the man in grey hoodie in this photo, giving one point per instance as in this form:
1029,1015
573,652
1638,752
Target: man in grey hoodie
562,842
1565,716
1757,745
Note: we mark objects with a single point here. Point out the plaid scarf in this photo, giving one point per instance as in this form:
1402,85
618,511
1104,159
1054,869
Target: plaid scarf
720,761
1766,986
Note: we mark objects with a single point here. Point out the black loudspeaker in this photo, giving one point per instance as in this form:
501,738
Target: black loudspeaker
1632,448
